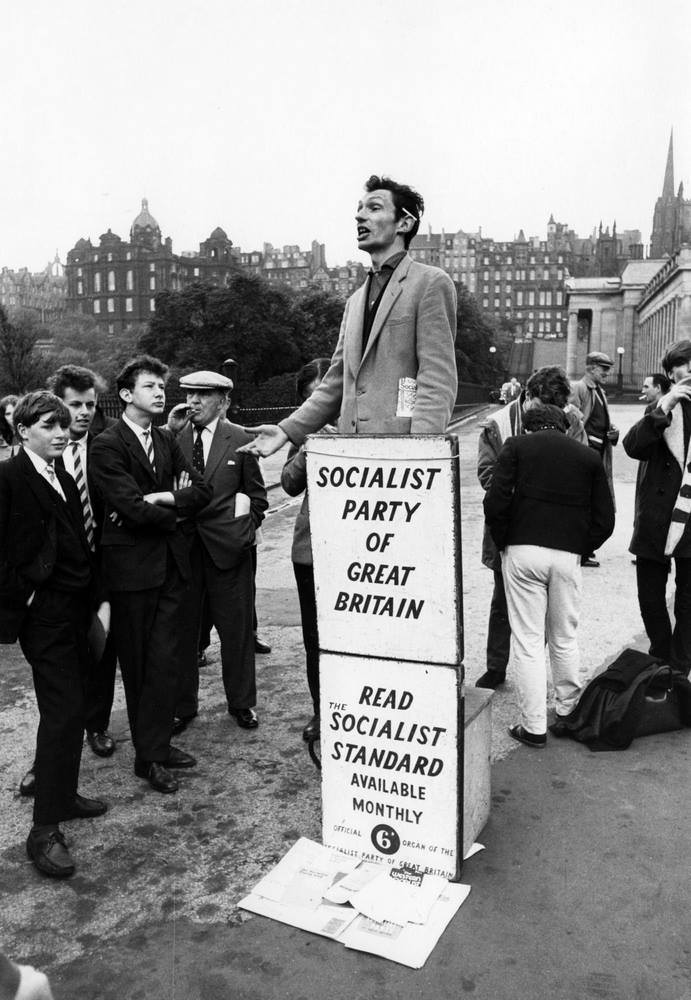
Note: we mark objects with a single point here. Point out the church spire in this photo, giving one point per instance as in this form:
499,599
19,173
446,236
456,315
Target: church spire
668,186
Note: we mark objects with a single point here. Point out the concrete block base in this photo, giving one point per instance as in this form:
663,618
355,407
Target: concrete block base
476,777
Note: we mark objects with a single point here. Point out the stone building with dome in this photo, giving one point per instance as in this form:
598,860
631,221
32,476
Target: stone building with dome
115,282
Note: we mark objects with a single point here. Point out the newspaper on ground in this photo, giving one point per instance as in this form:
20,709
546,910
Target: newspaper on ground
330,893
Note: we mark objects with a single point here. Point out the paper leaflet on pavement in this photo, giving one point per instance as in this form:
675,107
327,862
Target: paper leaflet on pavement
327,892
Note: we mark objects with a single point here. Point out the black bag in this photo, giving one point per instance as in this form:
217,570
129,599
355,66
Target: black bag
636,696
661,711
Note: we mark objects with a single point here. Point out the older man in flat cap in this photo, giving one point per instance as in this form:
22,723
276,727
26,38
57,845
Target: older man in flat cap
589,396
223,539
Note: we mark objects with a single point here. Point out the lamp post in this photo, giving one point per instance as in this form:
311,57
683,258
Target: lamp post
492,356
229,368
620,376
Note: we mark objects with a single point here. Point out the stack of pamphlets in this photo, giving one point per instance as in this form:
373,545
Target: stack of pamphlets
394,911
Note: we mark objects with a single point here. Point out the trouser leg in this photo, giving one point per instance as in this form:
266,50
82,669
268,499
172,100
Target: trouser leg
680,657
132,616
651,580
53,640
100,688
498,629
563,613
196,606
231,600
525,569
304,577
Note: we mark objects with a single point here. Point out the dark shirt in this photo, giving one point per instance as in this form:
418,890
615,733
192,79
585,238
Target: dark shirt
376,286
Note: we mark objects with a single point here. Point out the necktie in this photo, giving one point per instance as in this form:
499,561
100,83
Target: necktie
53,479
80,480
198,451
149,448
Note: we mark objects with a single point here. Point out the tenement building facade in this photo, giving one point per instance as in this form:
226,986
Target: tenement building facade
523,280
42,294
115,282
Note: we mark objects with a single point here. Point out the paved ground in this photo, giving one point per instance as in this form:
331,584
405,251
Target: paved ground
581,892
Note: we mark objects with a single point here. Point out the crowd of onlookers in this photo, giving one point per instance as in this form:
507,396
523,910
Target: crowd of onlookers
550,504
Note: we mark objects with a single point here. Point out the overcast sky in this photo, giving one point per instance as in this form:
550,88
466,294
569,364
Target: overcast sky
265,117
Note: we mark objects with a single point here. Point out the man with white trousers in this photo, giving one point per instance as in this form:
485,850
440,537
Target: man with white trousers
548,504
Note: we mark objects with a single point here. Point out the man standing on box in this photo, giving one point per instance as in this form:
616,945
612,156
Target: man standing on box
222,544
48,594
150,493
662,525
394,367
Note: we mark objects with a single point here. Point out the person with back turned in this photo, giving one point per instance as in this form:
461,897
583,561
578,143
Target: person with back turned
547,505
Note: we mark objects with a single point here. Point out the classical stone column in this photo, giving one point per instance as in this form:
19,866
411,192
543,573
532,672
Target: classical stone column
572,345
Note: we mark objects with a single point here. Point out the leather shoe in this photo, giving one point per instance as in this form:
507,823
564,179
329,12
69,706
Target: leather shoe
84,808
156,774
560,729
311,730
27,786
181,722
102,743
590,563
246,718
48,851
490,679
261,647
178,758
535,740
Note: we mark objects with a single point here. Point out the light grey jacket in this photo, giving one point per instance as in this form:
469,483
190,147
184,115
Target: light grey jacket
412,337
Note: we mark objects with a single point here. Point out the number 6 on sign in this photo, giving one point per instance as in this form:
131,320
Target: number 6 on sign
385,839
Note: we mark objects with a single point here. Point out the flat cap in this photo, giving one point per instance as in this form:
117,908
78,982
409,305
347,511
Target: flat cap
206,380
598,358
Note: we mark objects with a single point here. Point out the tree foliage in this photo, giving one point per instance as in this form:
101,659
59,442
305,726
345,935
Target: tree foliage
77,340
23,366
477,332
267,330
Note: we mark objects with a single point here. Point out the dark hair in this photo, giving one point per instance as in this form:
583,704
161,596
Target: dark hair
127,378
657,378
406,201
677,354
72,377
549,385
7,432
315,369
34,405
545,418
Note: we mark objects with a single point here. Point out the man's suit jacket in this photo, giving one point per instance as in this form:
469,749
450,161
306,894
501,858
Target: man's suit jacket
583,394
225,536
29,513
412,337
549,490
136,540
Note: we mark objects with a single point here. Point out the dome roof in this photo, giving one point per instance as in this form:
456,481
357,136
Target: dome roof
145,218
219,234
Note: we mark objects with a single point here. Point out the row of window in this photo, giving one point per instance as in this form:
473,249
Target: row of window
532,260
520,274
110,305
525,298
